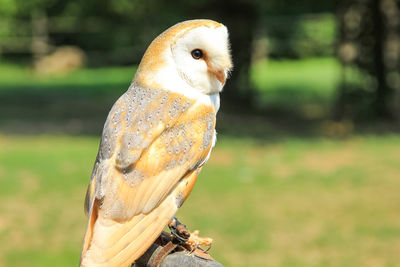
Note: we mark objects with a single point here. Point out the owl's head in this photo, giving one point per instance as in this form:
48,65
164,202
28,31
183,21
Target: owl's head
190,56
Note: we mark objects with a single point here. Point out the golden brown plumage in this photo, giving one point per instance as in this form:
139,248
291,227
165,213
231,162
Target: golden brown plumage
154,143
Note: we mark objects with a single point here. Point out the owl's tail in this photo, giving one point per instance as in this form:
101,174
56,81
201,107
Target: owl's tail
111,243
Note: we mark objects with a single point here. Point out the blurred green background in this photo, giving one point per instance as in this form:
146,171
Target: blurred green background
306,171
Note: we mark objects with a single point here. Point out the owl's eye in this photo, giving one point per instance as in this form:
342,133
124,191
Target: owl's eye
197,53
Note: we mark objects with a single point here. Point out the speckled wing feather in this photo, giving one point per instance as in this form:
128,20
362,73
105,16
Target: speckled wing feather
152,146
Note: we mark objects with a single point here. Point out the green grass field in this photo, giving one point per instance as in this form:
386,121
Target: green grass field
290,201
295,203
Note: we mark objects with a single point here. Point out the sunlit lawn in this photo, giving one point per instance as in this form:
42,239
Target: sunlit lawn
18,77
287,202
310,202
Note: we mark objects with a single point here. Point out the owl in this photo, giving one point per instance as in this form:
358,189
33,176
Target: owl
156,139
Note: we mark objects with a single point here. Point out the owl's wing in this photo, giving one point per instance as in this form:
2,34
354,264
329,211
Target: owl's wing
153,142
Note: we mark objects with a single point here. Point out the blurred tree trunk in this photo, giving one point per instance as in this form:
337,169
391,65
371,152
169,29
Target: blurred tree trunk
40,34
369,49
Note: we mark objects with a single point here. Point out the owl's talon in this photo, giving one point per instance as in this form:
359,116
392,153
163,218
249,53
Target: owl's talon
189,240
179,230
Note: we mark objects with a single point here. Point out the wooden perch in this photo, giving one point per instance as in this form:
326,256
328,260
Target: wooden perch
166,252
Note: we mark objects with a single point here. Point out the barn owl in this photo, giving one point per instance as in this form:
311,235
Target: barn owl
156,139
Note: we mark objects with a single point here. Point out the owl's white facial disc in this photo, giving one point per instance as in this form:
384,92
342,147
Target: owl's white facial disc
202,58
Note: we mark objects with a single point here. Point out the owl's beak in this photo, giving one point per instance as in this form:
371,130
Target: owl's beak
221,70
220,75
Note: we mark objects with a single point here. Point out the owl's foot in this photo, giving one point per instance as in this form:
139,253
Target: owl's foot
188,240
179,230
